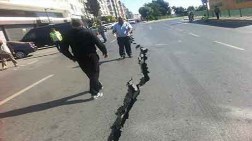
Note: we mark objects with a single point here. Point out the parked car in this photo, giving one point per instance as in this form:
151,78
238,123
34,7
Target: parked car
41,36
132,21
21,49
108,26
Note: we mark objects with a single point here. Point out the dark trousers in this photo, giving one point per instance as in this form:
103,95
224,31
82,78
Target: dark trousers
124,42
217,15
103,36
90,66
57,43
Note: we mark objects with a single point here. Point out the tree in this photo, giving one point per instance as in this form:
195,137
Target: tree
108,19
145,11
93,7
201,8
155,9
190,8
180,11
163,7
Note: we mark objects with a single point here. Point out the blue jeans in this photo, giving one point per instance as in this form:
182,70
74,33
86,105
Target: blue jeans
103,36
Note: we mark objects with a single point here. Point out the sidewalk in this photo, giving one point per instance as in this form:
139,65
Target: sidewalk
226,22
234,19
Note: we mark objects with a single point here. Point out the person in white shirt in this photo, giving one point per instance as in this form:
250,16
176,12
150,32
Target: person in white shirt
5,54
123,30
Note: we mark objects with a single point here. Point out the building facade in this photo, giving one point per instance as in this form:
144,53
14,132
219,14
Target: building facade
116,8
128,14
18,17
104,8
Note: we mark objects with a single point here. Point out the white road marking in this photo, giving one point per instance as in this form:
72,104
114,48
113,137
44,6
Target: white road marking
194,35
24,90
32,62
150,27
229,45
181,30
113,41
179,41
161,44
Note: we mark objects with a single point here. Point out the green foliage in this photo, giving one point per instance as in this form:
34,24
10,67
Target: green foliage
93,7
180,11
201,8
191,8
155,9
145,11
108,19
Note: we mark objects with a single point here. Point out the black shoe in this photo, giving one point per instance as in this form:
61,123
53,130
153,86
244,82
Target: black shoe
130,56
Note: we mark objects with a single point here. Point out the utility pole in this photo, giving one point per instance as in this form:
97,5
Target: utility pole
47,14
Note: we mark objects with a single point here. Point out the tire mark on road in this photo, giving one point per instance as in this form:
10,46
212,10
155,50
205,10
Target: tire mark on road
207,105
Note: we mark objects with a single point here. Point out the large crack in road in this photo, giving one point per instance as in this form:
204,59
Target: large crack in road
130,98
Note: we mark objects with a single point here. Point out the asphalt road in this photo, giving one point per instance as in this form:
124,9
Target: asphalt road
200,89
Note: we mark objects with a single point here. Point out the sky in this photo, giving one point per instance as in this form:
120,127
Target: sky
134,5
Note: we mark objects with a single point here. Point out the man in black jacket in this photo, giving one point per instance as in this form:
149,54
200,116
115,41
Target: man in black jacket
83,44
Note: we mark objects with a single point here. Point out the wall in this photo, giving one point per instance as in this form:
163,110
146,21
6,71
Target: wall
231,4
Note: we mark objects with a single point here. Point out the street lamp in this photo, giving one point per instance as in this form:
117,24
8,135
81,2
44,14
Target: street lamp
47,13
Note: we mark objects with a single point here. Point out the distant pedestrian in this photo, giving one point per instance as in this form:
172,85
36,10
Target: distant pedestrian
191,16
217,12
56,38
5,54
101,30
83,45
123,30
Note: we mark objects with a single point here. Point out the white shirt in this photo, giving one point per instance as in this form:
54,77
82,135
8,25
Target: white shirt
5,48
122,30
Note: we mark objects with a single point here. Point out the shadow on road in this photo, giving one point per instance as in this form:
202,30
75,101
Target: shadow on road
103,62
226,23
108,61
46,106
31,57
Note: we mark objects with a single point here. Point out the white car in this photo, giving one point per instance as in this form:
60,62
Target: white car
132,21
109,25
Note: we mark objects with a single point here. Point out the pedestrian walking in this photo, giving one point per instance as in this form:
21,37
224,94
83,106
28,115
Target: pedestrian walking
83,45
101,30
5,54
217,12
56,38
123,30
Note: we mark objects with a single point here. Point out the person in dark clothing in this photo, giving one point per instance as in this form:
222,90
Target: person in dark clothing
83,44
101,30
217,12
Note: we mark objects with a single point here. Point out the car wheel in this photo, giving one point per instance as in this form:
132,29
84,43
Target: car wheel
20,54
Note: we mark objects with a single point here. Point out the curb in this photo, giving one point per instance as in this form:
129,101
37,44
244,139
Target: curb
164,20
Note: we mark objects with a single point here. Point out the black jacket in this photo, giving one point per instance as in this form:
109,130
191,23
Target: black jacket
82,41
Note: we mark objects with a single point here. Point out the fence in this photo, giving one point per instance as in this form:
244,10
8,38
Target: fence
227,13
